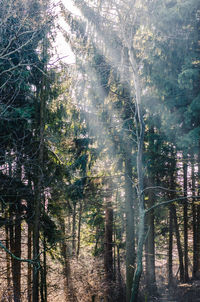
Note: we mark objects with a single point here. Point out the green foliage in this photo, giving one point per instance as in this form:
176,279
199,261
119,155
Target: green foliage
50,230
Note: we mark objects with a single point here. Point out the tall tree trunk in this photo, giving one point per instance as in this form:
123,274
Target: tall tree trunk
8,268
12,247
16,242
15,246
178,240
140,128
150,249
42,95
197,270
74,229
29,255
194,217
17,264
16,236
119,276
129,212
114,251
68,285
174,217
43,273
130,237
150,242
108,253
185,216
170,249
79,229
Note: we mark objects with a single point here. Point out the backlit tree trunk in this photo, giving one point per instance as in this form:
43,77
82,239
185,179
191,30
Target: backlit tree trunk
130,240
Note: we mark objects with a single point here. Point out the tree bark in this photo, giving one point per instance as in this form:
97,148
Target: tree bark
108,251
150,249
185,217
130,236
194,217
29,279
8,268
150,242
17,264
138,272
74,230
79,229
114,251
178,240
174,217
68,285
44,272
140,128
170,248
15,246
197,270
38,184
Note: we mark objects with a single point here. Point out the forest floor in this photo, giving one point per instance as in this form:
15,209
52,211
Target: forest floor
179,292
187,292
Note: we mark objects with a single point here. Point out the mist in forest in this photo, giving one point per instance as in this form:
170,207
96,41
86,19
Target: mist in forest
99,150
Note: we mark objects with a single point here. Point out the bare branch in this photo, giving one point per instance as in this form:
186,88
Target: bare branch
167,202
33,262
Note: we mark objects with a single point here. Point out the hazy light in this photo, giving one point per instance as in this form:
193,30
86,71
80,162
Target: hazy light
71,7
63,49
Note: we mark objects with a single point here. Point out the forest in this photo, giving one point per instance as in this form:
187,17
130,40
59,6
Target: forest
99,150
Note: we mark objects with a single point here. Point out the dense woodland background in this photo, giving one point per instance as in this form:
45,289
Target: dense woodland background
100,159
